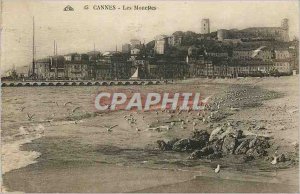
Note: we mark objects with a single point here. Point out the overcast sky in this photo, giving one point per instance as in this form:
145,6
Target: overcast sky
77,31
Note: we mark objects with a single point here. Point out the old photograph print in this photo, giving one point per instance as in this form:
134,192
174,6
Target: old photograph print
149,96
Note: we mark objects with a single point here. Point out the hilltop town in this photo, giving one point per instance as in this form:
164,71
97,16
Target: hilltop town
255,51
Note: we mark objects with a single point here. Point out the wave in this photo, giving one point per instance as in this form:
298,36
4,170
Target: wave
12,156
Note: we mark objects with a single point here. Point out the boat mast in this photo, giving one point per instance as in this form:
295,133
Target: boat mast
33,49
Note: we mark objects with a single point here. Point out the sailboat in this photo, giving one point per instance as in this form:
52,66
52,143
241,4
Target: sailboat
136,74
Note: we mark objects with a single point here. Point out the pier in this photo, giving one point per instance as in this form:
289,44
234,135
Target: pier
81,83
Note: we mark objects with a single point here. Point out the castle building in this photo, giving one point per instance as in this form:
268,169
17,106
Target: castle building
257,33
205,26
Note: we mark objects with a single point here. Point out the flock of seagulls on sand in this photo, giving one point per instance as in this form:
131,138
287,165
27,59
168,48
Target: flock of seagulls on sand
133,122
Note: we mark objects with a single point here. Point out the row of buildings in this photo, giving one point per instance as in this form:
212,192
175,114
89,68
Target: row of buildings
118,65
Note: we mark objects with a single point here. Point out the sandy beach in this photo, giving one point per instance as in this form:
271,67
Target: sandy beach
75,153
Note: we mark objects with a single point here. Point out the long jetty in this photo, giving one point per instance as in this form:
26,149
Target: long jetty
81,83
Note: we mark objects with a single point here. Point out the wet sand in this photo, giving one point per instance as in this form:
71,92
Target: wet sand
82,177
216,185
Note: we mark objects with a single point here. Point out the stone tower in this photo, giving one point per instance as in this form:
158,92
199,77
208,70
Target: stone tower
205,26
285,28
285,24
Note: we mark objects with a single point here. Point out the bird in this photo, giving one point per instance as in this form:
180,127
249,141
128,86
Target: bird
206,100
67,103
274,161
78,107
30,117
234,109
109,129
137,129
194,129
217,170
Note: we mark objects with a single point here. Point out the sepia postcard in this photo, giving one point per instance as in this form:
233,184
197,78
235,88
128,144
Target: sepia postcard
176,96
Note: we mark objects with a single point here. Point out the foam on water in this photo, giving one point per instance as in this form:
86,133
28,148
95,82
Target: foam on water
12,156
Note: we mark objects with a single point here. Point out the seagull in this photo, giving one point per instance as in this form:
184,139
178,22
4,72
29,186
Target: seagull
206,100
78,107
217,170
274,161
194,129
109,129
67,103
30,117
